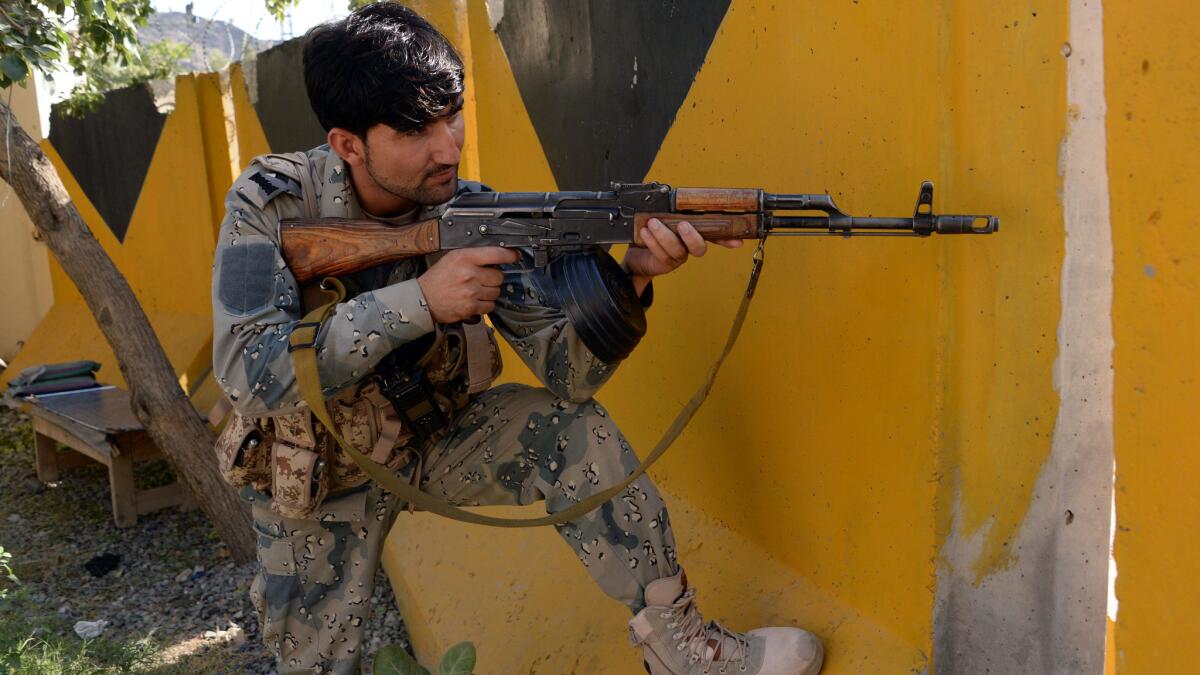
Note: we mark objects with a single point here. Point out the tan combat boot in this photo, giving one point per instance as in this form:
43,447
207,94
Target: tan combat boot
676,641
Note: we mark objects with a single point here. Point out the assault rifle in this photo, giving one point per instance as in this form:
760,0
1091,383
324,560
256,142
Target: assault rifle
553,225
543,222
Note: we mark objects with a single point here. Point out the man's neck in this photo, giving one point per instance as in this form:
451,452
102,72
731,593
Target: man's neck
374,199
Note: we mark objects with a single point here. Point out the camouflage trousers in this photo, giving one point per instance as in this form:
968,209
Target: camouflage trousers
513,445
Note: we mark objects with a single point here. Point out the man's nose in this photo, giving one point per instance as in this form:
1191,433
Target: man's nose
446,148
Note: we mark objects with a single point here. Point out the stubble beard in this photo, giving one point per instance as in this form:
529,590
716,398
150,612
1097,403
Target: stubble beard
419,194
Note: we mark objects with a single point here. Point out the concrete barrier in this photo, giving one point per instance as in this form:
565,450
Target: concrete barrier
910,451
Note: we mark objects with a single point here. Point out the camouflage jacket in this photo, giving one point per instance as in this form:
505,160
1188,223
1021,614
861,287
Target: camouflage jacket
257,302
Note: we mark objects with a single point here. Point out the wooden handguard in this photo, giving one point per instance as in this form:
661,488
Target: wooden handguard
710,225
718,199
326,247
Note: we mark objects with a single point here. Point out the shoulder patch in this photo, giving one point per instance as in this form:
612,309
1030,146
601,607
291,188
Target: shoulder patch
287,163
259,186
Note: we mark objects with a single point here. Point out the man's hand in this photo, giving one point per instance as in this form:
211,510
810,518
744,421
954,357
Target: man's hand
666,250
464,283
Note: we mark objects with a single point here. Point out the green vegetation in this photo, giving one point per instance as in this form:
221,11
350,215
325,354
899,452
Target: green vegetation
86,36
217,60
393,660
7,578
157,61
36,641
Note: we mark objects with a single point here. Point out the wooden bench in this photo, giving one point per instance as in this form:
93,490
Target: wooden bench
98,425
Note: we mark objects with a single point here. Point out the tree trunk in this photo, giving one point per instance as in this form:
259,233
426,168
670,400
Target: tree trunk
158,401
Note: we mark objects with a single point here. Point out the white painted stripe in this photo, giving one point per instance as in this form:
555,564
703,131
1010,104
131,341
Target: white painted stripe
1083,371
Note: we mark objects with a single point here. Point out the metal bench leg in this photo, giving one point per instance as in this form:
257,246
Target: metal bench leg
124,493
47,458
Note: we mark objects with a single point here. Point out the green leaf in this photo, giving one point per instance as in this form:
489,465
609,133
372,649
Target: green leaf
14,67
393,660
458,660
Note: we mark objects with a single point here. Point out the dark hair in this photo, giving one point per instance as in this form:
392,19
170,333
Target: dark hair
382,64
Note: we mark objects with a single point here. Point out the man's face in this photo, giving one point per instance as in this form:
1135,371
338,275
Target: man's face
421,165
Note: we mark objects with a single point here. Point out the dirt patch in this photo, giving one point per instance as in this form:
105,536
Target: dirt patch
174,591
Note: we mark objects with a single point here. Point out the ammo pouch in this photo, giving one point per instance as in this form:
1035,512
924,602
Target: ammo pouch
244,453
300,472
365,419
281,455
406,407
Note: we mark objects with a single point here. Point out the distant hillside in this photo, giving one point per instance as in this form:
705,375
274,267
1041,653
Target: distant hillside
213,43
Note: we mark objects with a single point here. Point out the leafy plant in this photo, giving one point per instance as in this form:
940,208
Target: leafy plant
216,59
85,35
6,571
156,61
393,660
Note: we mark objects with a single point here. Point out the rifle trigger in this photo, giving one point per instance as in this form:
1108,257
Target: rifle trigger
541,258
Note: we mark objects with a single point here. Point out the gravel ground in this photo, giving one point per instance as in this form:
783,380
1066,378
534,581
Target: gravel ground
175,580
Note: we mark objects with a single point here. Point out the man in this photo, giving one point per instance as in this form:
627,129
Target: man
387,87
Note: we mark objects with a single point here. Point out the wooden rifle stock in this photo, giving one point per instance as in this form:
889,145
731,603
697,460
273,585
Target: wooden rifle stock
315,248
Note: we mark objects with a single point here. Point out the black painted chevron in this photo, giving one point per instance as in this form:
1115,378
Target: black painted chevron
108,150
602,80
282,100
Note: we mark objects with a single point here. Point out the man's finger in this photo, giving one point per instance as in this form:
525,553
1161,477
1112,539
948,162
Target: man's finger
655,248
669,241
491,255
484,307
489,276
488,293
692,239
729,243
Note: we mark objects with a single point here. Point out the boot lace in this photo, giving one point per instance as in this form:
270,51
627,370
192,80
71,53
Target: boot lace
693,635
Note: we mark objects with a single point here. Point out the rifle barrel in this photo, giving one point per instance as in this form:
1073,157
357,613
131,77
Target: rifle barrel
838,224
826,223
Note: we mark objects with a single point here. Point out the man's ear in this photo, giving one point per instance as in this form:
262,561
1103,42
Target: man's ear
348,145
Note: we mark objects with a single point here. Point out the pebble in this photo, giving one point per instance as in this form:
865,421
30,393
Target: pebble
190,574
89,630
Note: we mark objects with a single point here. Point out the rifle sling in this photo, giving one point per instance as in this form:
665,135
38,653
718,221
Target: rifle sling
304,362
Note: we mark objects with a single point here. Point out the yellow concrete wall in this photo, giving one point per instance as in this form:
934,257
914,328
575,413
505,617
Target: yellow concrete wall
882,388
167,252
1003,121
250,139
24,268
889,399
1154,169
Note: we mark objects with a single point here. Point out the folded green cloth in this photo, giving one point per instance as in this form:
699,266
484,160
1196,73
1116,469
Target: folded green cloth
54,371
